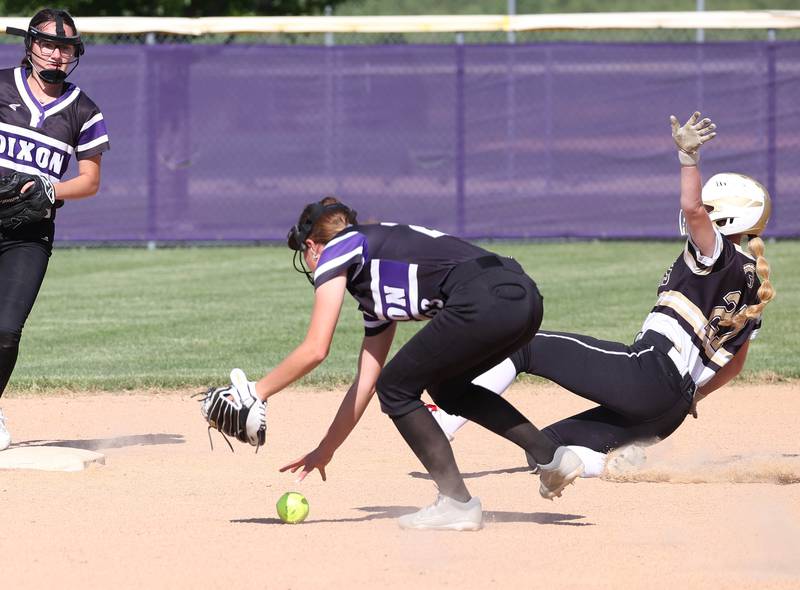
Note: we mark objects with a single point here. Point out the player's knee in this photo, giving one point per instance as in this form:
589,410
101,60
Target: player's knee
447,399
9,338
382,384
391,400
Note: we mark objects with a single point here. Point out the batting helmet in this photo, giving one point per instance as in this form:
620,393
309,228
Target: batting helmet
736,204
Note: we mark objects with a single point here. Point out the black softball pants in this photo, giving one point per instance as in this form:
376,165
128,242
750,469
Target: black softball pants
642,395
492,308
23,264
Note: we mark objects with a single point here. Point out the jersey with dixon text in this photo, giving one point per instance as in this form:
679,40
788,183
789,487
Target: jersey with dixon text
394,271
41,139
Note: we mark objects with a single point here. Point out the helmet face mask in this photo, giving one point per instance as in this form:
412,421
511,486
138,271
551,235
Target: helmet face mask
736,204
33,35
298,234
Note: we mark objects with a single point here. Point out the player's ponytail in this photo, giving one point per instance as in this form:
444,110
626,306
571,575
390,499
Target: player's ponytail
765,292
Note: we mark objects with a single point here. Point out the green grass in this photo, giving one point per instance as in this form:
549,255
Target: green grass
127,318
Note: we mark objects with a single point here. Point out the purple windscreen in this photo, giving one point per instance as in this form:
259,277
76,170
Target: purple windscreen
228,142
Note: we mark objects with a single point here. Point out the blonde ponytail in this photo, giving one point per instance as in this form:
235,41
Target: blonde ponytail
765,292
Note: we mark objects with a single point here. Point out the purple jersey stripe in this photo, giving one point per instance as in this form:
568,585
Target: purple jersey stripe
394,289
93,132
340,254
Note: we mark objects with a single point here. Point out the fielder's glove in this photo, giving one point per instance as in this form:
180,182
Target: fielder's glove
17,207
236,411
690,136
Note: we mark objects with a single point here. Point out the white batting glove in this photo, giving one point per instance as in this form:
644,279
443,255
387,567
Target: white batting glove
690,136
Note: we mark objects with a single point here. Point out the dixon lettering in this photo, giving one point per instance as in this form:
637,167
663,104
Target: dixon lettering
395,303
42,155
25,149
28,151
56,160
395,296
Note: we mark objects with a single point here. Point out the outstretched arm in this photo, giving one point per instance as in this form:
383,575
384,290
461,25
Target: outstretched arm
314,349
374,351
689,137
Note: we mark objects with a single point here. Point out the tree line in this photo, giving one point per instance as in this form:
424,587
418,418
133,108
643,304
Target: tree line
198,8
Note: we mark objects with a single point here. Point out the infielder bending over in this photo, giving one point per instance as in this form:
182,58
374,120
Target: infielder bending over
45,122
694,340
481,307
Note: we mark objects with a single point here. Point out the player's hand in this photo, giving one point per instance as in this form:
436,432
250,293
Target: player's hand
316,459
690,136
695,401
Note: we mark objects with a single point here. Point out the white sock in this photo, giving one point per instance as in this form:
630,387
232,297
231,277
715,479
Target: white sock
449,423
497,379
594,463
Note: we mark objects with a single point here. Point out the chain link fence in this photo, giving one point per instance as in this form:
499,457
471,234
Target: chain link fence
533,134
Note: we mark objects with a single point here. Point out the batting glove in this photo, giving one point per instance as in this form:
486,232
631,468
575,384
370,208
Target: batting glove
690,136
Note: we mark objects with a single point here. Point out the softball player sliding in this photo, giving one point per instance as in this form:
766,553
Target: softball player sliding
481,307
694,340
44,121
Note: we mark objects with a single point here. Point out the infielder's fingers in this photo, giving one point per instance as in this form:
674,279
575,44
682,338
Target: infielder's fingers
322,473
673,121
293,465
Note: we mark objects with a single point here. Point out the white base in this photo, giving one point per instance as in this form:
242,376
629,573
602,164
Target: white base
49,458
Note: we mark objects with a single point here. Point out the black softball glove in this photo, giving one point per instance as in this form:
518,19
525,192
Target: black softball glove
236,411
17,207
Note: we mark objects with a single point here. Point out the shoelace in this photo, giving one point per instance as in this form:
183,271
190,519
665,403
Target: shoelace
431,507
225,438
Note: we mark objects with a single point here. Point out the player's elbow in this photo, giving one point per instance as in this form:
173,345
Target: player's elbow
694,212
319,355
92,186
316,352
90,183
736,365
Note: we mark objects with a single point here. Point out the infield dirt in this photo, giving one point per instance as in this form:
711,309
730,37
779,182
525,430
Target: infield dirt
717,504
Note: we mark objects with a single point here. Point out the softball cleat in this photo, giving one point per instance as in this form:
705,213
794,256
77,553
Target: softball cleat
446,514
565,467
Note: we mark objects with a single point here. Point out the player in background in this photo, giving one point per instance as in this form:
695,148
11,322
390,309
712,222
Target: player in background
44,122
695,339
481,307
